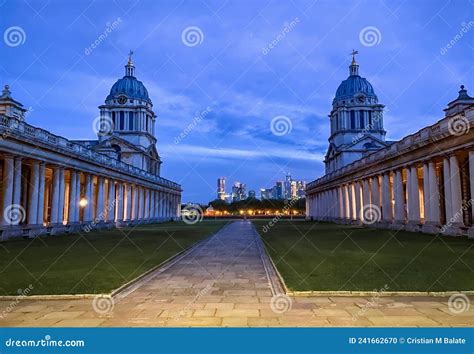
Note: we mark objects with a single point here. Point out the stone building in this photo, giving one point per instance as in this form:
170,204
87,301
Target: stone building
52,185
424,182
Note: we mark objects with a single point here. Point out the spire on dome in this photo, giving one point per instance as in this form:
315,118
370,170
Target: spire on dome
354,67
130,68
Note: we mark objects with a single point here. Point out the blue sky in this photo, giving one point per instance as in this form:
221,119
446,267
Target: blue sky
232,72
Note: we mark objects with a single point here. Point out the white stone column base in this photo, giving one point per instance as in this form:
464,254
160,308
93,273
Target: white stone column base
431,228
454,229
8,232
470,232
413,226
57,229
397,225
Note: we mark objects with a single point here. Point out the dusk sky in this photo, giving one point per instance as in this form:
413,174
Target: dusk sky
216,59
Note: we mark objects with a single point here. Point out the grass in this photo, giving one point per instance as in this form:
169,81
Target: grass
325,256
96,262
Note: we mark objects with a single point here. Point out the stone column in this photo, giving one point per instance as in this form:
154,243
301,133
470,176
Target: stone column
426,193
142,204
375,194
88,196
351,201
111,202
41,185
399,200
8,181
146,216
358,202
447,191
413,200
135,193
100,214
471,184
73,200
119,203
62,191
386,198
456,198
432,218
17,181
34,194
55,195
78,200
347,209
152,204
340,198
128,202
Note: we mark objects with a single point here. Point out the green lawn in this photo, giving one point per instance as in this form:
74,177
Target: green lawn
96,262
326,256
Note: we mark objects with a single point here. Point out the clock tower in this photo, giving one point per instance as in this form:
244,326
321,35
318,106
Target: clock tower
356,121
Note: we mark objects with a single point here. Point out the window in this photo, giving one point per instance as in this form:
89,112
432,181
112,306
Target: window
361,120
113,121
130,120
370,119
353,120
122,119
337,122
147,118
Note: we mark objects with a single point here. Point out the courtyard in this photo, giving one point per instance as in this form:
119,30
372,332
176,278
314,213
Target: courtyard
225,280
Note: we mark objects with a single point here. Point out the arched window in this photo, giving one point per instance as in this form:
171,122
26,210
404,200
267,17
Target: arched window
130,120
122,120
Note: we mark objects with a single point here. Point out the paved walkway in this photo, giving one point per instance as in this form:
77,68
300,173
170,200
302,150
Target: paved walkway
226,281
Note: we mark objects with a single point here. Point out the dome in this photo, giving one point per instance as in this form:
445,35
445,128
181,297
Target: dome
353,85
130,87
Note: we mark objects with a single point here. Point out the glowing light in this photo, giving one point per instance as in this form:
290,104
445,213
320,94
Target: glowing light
83,202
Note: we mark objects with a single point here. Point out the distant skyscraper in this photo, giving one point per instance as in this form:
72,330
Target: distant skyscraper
221,188
238,192
279,190
288,191
252,194
266,193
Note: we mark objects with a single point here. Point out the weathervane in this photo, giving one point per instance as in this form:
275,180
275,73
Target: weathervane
130,56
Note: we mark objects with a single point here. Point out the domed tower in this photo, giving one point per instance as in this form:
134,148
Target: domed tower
356,121
127,123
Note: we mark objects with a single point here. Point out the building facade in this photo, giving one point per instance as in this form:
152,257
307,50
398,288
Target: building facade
424,182
221,188
356,121
52,185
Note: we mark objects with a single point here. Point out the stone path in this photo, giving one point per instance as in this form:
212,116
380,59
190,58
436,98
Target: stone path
224,282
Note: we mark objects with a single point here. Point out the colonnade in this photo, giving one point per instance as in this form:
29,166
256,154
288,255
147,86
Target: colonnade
433,196
43,197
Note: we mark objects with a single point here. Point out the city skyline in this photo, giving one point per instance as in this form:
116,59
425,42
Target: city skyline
212,118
